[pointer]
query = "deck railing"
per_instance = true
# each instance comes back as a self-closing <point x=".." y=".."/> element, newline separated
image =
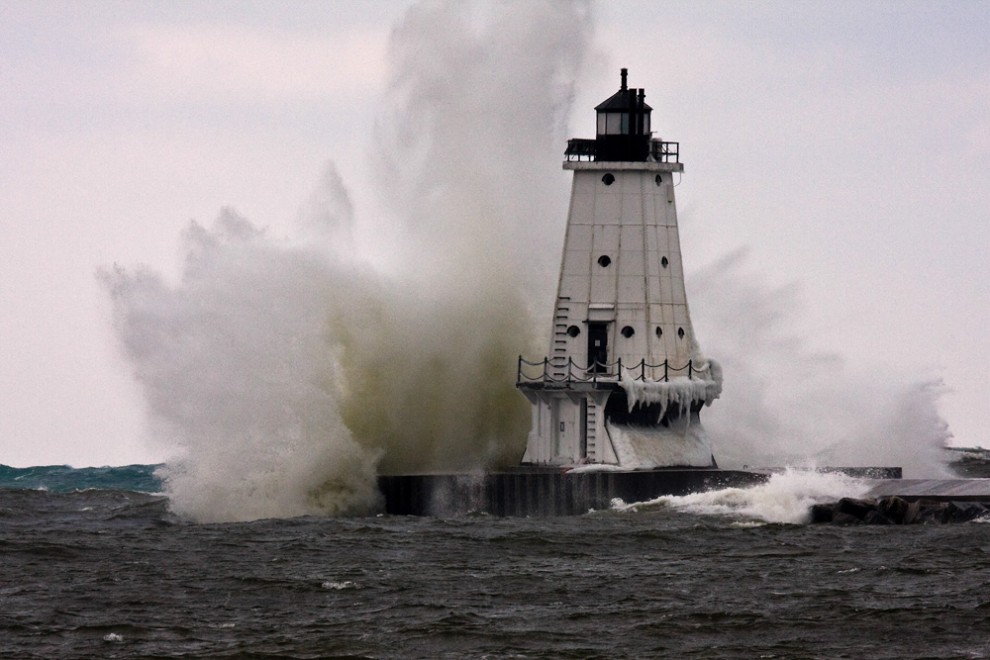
<point x="580" y="149"/>
<point x="557" y="371"/>
<point x="665" y="152"/>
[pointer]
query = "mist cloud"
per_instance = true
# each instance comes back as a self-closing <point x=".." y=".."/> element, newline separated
<point x="288" y="370"/>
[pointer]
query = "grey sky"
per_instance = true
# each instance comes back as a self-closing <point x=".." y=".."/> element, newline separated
<point x="846" y="144"/>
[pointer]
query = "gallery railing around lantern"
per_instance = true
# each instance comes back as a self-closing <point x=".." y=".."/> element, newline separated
<point x="661" y="152"/>
<point x="563" y="372"/>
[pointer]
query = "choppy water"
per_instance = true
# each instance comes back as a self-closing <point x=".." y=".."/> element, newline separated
<point x="111" y="573"/>
<point x="65" y="479"/>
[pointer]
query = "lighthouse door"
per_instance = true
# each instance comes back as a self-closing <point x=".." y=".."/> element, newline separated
<point x="597" y="347"/>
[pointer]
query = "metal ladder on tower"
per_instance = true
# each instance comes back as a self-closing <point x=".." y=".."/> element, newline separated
<point x="591" y="426"/>
<point x="558" y="359"/>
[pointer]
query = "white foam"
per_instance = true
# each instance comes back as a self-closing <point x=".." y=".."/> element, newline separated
<point x="785" y="498"/>
<point x="597" y="467"/>
<point x="339" y="586"/>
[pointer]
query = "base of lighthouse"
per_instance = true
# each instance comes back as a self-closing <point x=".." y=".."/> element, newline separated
<point x="627" y="424"/>
<point x="546" y="491"/>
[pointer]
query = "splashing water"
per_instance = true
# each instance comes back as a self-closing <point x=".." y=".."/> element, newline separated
<point x="785" y="403"/>
<point x="287" y="372"/>
<point x="785" y="498"/>
<point x="234" y="366"/>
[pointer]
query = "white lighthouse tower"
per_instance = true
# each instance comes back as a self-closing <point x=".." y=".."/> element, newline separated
<point x="624" y="380"/>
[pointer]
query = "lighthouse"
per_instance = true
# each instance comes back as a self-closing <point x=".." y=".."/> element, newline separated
<point x="623" y="381"/>
<point x="616" y="400"/>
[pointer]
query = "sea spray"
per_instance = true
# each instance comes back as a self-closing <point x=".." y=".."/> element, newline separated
<point x="234" y="367"/>
<point x="287" y="370"/>
<point x="469" y="144"/>
<point x="473" y="122"/>
<point x="787" y="403"/>
<point x="786" y="497"/>
<point x="434" y="397"/>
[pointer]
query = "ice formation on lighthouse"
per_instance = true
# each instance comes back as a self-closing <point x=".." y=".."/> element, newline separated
<point x="705" y="386"/>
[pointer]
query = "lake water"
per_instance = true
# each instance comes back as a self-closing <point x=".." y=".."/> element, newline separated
<point x="112" y="573"/>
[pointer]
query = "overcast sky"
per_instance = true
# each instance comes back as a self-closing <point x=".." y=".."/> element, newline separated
<point x="845" y="145"/>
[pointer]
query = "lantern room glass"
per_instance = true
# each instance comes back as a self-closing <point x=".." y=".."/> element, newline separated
<point x="613" y="123"/>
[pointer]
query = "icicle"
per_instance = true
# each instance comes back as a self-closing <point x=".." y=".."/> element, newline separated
<point x="680" y="390"/>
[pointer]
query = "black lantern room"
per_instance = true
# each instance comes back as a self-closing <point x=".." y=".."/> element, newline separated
<point x="623" y="126"/>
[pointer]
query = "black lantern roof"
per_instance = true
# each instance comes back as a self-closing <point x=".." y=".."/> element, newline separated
<point x="623" y="100"/>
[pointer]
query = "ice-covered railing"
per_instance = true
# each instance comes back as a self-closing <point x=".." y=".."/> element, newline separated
<point x="579" y="149"/>
<point x="565" y="371"/>
<point x="682" y="391"/>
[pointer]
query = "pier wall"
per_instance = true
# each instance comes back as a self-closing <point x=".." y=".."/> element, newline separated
<point x="545" y="492"/>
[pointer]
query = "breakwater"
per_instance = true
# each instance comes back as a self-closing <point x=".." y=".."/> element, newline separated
<point x="546" y="492"/>
<point x="893" y="510"/>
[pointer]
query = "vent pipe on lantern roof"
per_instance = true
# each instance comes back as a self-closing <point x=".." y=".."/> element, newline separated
<point x="640" y="112"/>
<point x="624" y="73"/>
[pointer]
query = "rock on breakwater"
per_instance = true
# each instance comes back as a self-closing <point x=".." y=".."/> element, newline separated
<point x="893" y="510"/>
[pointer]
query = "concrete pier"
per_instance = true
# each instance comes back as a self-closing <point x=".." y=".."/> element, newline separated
<point x="958" y="490"/>
<point x="545" y="491"/>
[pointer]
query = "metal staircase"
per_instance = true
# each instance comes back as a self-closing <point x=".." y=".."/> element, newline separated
<point x="591" y="427"/>
<point x="558" y="359"/>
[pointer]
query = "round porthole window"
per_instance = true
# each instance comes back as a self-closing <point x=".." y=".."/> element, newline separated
<point x="604" y="261"/>
<point x="573" y="331"/>
<point x="659" y="180"/>
<point x="664" y="262"/>
<point x="680" y="333"/>
<point x="659" y="331"/>
<point x="608" y="179"/>
<point x="628" y="332"/>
